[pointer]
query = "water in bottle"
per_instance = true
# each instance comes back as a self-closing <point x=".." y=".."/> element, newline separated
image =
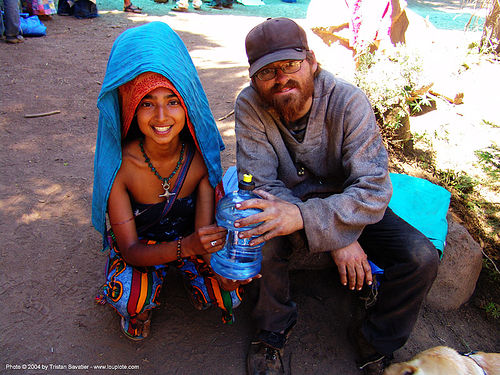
<point x="237" y="260"/>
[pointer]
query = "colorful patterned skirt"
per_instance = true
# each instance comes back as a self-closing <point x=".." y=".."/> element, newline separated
<point x="134" y="290"/>
<point x="41" y="7"/>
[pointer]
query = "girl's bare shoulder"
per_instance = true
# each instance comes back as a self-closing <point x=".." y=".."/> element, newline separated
<point x="131" y="154"/>
<point x="198" y="165"/>
<point x="132" y="162"/>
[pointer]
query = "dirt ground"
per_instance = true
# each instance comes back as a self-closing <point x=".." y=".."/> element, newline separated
<point x="51" y="263"/>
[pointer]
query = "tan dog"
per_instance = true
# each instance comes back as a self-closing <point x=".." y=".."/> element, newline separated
<point x="442" y="360"/>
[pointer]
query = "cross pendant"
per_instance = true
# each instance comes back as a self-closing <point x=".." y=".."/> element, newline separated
<point x="166" y="194"/>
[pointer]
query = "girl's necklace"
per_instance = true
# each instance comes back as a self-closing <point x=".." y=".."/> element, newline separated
<point x="165" y="181"/>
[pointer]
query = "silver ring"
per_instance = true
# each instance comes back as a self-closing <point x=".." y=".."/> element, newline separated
<point x="213" y="243"/>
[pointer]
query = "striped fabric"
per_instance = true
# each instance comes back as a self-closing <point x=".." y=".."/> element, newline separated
<point x="134" y="290"/>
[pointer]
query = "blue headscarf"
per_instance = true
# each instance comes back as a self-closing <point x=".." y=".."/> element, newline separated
<point x="153" y="47"/>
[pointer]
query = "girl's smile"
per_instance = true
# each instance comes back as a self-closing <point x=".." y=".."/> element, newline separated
<point x="160" y="115"/>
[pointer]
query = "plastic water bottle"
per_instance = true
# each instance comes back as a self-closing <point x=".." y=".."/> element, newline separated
<point x="237" y="260"/>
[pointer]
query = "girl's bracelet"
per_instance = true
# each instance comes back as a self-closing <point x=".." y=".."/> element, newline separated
<point x="179" y="248"/>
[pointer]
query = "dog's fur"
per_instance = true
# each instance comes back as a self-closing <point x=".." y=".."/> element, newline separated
<point x="442" y="360"/>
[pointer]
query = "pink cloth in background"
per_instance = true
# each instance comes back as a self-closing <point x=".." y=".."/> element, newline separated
<point x="370" y="21"/>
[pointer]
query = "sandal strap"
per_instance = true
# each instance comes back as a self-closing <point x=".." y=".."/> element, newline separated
<point x="139" y="324"/>
<point x="132" y="7"/>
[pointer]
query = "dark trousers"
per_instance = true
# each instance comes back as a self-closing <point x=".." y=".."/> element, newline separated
<point x="410" y="262"/>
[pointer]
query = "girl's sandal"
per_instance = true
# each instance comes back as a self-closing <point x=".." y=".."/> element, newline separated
<point x="143" y="328"/>
<point x="131" y="8"/>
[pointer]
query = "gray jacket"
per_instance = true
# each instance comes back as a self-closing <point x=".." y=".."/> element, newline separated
<point x="346" y="183"/>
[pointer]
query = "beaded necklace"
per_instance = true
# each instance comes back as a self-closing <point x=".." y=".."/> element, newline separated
<point x="165" y="181"/>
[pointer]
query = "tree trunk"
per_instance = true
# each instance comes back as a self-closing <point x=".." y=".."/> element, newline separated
<point x="490" y="40"/>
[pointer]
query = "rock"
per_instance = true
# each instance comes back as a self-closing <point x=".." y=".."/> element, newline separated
<point x="457" y="274"/>
<point x="458" y="271"/>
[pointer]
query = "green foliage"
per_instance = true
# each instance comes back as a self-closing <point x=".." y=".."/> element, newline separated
<point x="460" y="181"/>
<point x="491" y="272"/>
<point x="395" y="83"/>
<point x="489" y="160"/>
<point x="388" y="80"/>
<point x="493" y="310"/>
<point x="489" y="123"/>
<point x="417" y="104"/>
<point x="473" y="46"/>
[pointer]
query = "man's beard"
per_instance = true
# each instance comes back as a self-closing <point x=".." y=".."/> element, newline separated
<point x="289" y="107"/>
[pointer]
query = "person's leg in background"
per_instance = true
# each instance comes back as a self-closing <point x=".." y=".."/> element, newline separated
<point x="130" y="8"/>
<point x="11" y="20"/>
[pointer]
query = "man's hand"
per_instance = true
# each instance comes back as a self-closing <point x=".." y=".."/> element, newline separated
<point x="230" y="285"/>
<point x="353" y="265"/>
<point x="278" y="218"/>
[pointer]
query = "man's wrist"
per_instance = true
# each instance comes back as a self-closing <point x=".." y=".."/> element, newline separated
<point x="299" y="218"/>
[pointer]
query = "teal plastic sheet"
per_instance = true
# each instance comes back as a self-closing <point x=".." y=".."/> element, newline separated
<point x="423" y="205"/>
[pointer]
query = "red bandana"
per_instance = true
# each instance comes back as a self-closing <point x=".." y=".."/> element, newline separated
<point x="132" y="92"/>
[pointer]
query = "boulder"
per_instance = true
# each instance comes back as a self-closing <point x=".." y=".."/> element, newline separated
<point x="457" y="274"/>
<point x="459" y="269"/>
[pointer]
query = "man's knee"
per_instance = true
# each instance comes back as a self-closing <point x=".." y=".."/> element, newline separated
<point x="424" y="257"/>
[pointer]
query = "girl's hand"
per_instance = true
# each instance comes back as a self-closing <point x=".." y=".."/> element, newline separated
<point x="204" y="240"/>
<point x="230" y="285"/>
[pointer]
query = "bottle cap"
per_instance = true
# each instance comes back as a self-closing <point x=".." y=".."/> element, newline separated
<point x="246" y="183"/>
<point x="247" y="178"/>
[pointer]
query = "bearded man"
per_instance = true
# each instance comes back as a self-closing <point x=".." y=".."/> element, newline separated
<point x="313" y="146"/>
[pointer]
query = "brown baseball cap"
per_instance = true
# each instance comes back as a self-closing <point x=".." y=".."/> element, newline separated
<point x="275" y="39"/>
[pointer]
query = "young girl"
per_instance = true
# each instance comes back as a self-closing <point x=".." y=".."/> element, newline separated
<point x="155" y="119"/>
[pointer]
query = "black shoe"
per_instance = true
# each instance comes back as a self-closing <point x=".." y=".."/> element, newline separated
<point x="218" y="7"/>
<point x="265" y="356"/>
<point x="370" y="361"/>
<point x="263" y="359"/>
<point x="228" y="6"/>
